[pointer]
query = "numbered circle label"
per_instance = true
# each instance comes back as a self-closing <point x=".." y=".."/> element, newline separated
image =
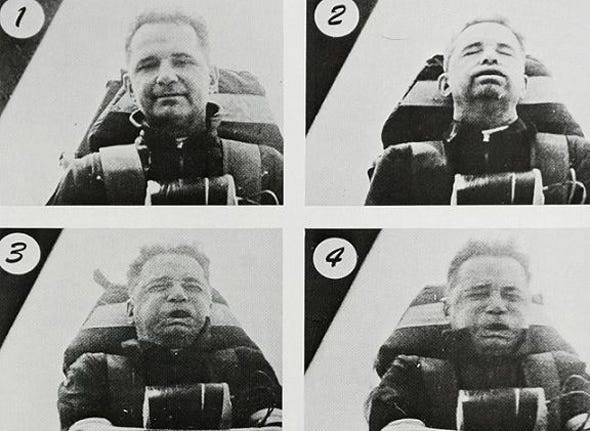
<point x="336" y="18"/>
<point x="21" y="18"/>
<point x="19" y="253"/>
<point x="335" y="258"/>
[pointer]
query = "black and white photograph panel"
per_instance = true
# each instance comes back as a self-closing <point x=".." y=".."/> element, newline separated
<point x="447" y="103"/>
<point x="145" y="103"/>
<point x="135" y="329"/>
<point x="447" y="329"/>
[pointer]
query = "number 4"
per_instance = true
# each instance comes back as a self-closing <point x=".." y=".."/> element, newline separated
<point x="335" y="256"/>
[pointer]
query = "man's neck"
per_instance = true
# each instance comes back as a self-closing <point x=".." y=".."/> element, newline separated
<point x="192" y="127"/>
<point x="484" y="116"/>
<point x="184" y="132"/>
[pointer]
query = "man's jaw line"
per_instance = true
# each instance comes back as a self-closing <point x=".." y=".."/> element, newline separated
<point x="486" y="113"/>
<point x="497" y="330"/>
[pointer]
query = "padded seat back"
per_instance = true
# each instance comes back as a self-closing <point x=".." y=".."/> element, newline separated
<point x="246" y="115"/>
<point x="424" y="114"/>
<point x="107" y="325"/>
<point x="420" y="330"/>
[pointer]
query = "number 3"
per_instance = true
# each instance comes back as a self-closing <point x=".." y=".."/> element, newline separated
<point x="17" y="249"/>
<point x="338" y="11"/>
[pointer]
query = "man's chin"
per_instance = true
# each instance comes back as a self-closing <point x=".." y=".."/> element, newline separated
<point x="178" y="336"/>
<point x="496" y="344"/>
<point x="489" y="91"/>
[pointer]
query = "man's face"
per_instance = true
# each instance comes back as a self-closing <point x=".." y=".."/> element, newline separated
<point x="491" y="298"/>
<point x="487" y="62"/>
<point x="171" y="300"/>
<point x="169" y="75"/>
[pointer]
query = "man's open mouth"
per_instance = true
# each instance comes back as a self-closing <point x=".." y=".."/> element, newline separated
<point x="489" y="75"/>
<point x="497" y="329"/>
<point x="179" y="314"/>
<point x="169" y="96"/>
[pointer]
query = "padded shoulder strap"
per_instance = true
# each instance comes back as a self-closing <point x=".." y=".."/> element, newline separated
<point x="550" y="154"/>
<point x="431" y="181"/>
<point x="244" y="163"/>
<point x="126" y="388"/>
<point x="428" y="147"/>
<point x="440" y="383"/>
<point x="541" y="370"/>
<point x="124" y="179"/>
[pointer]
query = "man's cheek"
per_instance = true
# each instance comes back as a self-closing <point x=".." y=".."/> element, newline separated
<point x="469" y="317"/>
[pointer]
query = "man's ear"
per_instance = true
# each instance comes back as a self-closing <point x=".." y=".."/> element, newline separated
<point x="446" y="306"/>
<point x="443" y="84"/>
<point x="130" y="311"/>
<point x="213" y="79"/>
<point x="525" y="86"/>
<point x="127" y="84"/>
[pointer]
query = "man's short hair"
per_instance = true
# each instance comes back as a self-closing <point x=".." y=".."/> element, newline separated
<point x="496" y="19"/>
<point x="475" y="248"/>
<point x="157" y="16"/>
<point x="147" y="252"/>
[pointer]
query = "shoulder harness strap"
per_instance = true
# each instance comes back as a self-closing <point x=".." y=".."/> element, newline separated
<point x="126" y="388"/>
<point x="244" y="162"/>
<point x="124" y="179"/>
<point x="431" y="181"/>
<point x="541" y="370"/>
<point x="440" y="383"/>
<point x="550" y="154"/>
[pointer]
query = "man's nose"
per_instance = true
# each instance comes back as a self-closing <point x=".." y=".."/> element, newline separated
<point x="496" y="303"/>
<point x="166" y="73"/>
<point x="176" y="293"/>
<point x="489" y="56"/>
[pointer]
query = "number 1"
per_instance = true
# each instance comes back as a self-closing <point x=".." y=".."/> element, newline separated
<point x="21" y="13"/>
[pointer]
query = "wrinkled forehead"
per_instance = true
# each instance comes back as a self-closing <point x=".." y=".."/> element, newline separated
<point x="501" y="271"/>
<point x="162" y="38"/>
<point x="486" y="33"/>
<point x="175" y="266"/>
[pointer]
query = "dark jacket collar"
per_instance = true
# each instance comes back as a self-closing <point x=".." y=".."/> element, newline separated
<point x="471" y="152"/>
<point x="166" y="158"/>
<point x="213" y="116"/>
<point x="457" y="346"/>
<point x="457" y="129"/>
<point x="135" y="348"/>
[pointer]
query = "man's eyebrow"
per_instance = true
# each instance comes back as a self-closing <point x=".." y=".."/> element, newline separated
<point x="478" y="287"/>
<point x="156" y="280"/>
<point x="505" y="45"/>
<point x="146" y="59"/>
<point x="510" y="289"/>
<point x="181" y="55"/>
<point x="471" y="45"/>
<point x="191" y="279"/>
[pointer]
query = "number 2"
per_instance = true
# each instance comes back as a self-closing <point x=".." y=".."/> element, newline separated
<point x="17" y="249"/>
<point x="335" y="256"/>
<point x="338" y="11"/>
<point x="19" y="18"/>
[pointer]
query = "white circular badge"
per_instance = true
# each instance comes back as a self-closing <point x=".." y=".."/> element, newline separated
<point x="335" y="258"/>
<point x="336" y="18"/>
<point x="21" y="18"/>
<point x="19" y="253"/>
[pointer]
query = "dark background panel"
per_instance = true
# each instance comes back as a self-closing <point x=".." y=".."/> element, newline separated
<point x="326" y="55"/>
<point x="14" y="289"/>
<point x="15" y="54"/>
<point x="324" y="296"/>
